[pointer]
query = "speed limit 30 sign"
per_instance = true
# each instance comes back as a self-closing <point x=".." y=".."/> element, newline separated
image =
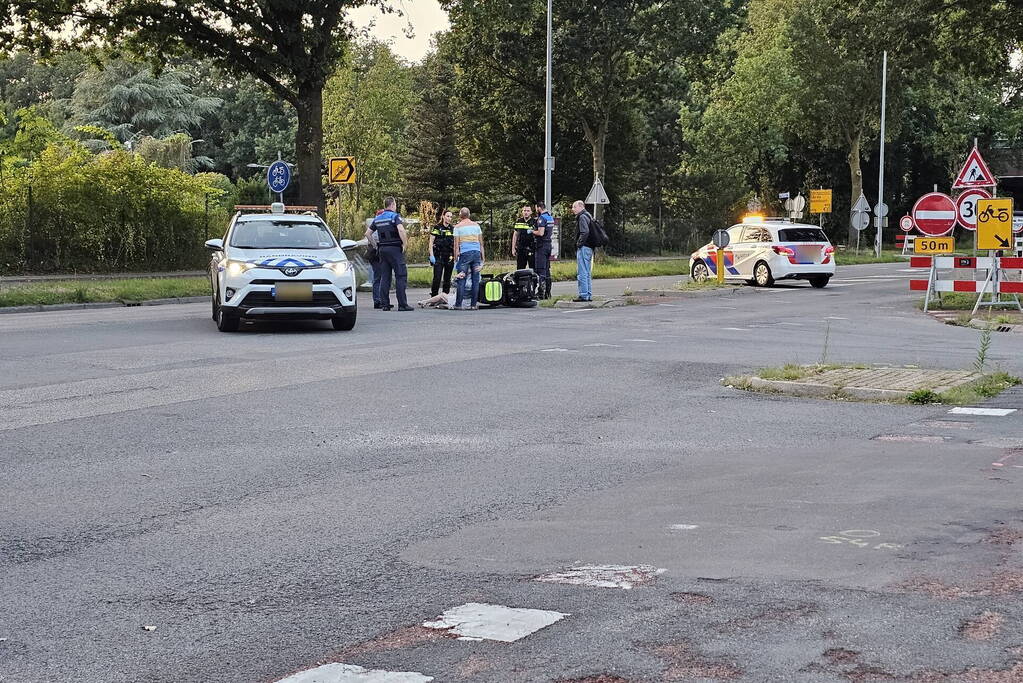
<point x="966" y="207"/>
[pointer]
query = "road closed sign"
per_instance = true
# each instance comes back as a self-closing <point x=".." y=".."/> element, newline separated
<point x="934" y="214"/>
<point x="934" y="245"/>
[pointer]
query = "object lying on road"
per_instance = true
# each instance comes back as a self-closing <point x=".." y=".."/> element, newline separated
<point x="516" y="289"/>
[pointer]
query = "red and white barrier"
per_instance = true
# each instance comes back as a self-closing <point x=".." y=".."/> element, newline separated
<point x="905" y="243"/>
<point x="995" y="284"/>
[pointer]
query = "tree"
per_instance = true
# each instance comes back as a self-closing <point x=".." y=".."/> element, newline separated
<point x="366" y="105"/>
<point x="434" y="168"/>
<point x="292" y="47"/>
<point x="130" y="100"/>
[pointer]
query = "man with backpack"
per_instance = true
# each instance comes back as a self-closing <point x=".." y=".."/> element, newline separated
<point x="591" y="236"/>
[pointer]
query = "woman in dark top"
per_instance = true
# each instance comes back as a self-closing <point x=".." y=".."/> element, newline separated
<point x="442" y="254"/>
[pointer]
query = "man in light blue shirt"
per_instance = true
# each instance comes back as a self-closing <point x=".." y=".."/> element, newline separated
<point x="469" y="249"/>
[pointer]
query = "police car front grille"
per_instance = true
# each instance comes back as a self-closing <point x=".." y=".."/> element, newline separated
<point x="274" y="282"/>
<point x="266" y="300"/>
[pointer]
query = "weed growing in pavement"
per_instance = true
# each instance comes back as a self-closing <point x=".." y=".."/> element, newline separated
<point x="549" y="303"/>
<point x="627" y="291"/>
<point x="986" y="387"/>
<point x="827" y="338"/>
<point x="985" y="343"/>
<point x="923" y="397"/>
<point x="790" y="372"/>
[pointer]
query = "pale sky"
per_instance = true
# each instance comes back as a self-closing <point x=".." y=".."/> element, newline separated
<point x="425" y="16"/>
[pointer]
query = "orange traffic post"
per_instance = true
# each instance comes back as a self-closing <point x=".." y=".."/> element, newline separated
<point x="721" y="266"/>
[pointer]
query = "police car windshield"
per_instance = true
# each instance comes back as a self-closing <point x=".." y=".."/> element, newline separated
<point x="802" y="235"/>
<point x="277" y="234"/>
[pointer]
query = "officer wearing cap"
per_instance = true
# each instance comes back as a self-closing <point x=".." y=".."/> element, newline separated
<point x="523" y="248"/>
<point x="543" y="231"/>
<point x="389" y="230"/>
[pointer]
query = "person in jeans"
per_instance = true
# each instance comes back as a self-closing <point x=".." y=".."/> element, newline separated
<point x="583" y="252"/>
<point x="442" y="254"/>
<point x="469" y="247"/>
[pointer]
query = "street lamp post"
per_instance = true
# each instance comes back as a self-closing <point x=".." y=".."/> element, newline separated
<point x="548" y="160"/>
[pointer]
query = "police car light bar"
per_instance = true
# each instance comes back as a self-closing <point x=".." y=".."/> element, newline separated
<point x="268" y="208"/>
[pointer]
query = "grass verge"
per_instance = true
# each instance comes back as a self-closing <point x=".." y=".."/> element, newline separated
<point x="605" y="268"/>
<point x="97" y="291"/>
<point x="958" y="301"/>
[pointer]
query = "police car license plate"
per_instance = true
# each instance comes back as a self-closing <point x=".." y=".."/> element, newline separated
<point x="293" y="291"/>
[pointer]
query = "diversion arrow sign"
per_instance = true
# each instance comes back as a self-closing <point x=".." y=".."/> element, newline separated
<point x="994" y="223"/>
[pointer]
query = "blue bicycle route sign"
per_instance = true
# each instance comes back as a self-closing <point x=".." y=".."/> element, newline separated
<point x="278" y="176"/>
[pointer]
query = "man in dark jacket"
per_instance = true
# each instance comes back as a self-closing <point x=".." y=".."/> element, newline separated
<point x="388" y="229"/>
<point x="542" y="233"/>
<point x="584" y="252"/>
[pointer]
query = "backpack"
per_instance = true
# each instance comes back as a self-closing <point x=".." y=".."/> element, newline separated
<point x="597" y="236"/>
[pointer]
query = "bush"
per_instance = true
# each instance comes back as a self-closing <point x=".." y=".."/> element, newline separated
<point x="71" y="210"/>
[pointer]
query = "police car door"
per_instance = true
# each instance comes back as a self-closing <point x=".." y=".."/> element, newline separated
<point x="744" y="250"/>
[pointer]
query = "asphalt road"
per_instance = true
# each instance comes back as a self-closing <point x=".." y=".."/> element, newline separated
<point x="179" y="504"/>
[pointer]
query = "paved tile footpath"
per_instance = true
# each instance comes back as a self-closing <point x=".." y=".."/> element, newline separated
<point x="869" y="384"/>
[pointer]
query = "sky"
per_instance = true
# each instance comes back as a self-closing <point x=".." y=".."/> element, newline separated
<point x="425" y="16"/>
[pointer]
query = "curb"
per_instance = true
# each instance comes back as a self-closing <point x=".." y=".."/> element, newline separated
<point x="577" y="305"/>
<point x="53" y="308"/>
<point x="811" y="390"/>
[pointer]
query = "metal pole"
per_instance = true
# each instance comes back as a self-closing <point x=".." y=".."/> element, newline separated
<point x="548" y="162"/>
<point x="880" y="172"/>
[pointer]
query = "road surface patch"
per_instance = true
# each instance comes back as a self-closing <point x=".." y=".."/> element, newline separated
<point x="984" y="626"/>
<point x="604" y="576"/>
<point x="684" y="527"/>
<point x="912" y="438"/>
<point x="479" y="621"/>
<point x="989" y="412"/>
<point x="349" y="673"/>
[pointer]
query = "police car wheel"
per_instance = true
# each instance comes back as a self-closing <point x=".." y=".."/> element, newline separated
<point x="762" y="275"/>
<point x="700" y="272"/>
<point x="226" y="322"/>
<point x="344" y="321"/>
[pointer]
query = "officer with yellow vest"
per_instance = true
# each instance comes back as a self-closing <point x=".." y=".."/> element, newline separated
<point x="523" y="247"/>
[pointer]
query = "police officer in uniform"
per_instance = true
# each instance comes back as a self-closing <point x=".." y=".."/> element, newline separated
<point x="389" y="230"/>
<point x="442" y="254"/>
<point x="523" y="246"/>
<point x="542" y="233"/>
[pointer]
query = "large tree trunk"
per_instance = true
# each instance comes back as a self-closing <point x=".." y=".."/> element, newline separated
<point x="598" y="143"/>
<point x="855" y="176"/>
<point x="309" y="146"/>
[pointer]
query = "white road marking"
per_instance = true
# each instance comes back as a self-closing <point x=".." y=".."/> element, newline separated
<point x="991" y="412"/>
<point x="604" y="576"/>
<point x="609" y="346"/>
<point x="558" y="351"/>
<point x="644" y="341"/>
<point x="736" y="329"/>
<point x="349" y="673"/>
<point x="478" y="621"/>
<point x="835" y="317"/>
<point x="792" y="324"/>
<point x="683" y="527"/>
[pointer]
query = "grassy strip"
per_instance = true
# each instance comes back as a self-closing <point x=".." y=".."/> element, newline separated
<point x="988" y="386"/>
<point x="851" y="258"/>
<point x="960" y="301"/>
<point x="604" y="269"/>
<point x="94" y="291"/>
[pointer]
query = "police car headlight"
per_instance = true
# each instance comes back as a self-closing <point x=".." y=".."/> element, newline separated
<point x="238" y="267"/>
<point x="340" y="267"/>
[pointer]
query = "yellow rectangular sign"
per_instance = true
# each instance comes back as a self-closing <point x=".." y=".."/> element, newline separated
<point x="342" y="171"/>
<point x="994" y="223"/>
<point x="933" y="245"/>
<point x="820" y="201"/>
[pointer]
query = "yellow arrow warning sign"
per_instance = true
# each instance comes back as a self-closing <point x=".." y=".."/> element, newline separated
<point x="342" y="170"/>
<point x="994" y="223"/>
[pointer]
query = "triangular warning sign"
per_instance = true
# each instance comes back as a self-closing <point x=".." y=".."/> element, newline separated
<point x="597" y="194"/>
<point x="975" y="173"/>
<point x="861" y="205"/>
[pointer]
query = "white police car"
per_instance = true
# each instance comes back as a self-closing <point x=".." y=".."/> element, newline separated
<point x="763" y="250"/>
<point x="281" y="266"/>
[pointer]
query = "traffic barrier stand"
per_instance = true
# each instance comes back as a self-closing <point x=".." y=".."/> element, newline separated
<point x="905" y="243"/>
<point x="996" y="283"/>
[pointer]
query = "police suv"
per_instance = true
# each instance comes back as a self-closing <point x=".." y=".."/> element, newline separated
<point x="278" y="265"/>
<point x="763" y="250"/>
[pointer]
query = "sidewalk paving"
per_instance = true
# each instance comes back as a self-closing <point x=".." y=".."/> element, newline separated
<point x="869" y="384"/>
